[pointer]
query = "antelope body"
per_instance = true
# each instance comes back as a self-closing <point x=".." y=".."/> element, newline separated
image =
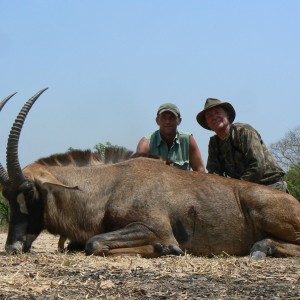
<point x="143" y="206"/>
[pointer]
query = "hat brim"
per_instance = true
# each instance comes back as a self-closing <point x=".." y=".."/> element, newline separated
<point x="201" y="115"/>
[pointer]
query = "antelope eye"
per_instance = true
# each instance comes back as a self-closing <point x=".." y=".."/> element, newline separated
<point x="28" y="194"/>
<point x="25" y="187"/>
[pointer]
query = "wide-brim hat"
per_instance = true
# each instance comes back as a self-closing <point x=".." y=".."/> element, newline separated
<point x="210" y="103"/>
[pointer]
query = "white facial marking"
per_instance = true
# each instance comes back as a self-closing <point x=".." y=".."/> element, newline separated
<point x="22" y="203"/>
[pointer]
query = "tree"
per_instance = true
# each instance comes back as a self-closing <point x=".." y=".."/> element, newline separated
<point x="287" y="152"/>
<point x="100" y="148"/>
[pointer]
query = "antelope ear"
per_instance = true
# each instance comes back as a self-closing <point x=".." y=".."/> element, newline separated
<point x="59" y="184"/>
<point x="50" y="180"/>
<point x="43" y="177"/>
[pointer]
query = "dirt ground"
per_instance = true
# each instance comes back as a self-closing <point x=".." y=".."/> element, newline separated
<point x="46" y="274"/>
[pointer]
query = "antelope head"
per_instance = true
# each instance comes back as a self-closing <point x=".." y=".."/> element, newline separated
<point x="19" y="191"/>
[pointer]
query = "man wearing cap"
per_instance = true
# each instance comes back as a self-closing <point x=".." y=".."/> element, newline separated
<point x="237" y="150"/>
<point x="169" y="143"/>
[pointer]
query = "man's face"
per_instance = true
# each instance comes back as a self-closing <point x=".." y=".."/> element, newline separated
<point x="167" y="122"/>
<point x="217" y="119"/>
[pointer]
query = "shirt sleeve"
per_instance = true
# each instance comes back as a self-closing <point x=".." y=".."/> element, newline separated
<point x="252" y="148"/>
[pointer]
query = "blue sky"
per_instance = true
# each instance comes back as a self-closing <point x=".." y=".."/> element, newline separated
<point x="110" y="64"/>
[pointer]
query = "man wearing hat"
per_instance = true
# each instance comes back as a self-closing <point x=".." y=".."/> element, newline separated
<point x="169" y="143"/>
<point x="237" y="150"/>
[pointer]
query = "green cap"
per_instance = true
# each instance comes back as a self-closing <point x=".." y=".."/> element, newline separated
<point x="169" y="107"/>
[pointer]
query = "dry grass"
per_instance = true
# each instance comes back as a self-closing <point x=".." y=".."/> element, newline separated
<point x="46" y="274"/>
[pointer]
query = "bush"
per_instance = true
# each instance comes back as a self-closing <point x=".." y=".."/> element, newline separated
<point x="292" y="178"/>
<point x="4" y="211"/>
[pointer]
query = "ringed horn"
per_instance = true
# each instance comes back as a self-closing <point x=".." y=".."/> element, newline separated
<point x="14" y="173"/>
<point x="3" y="175"/>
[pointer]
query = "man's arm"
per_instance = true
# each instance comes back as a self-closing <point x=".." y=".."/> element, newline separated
<point x="254" y="155"/>
<point x="143" y="146"/>
<point x="196" y="161"/>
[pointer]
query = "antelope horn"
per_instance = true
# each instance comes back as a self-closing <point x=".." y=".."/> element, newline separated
<point x="13" y="166"/>
<point x="4" y="179"/>
<point x="3" y="102"/>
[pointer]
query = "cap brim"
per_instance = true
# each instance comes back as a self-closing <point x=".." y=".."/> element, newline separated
<point x="170" y="110"/>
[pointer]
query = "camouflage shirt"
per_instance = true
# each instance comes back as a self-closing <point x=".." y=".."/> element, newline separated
<point x="242" y="155"/>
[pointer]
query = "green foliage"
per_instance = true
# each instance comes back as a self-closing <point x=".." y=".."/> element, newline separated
<point x="4" y="211"/>
<point x="100" y="148"/>
<point x="72" y="149"/>
<point x="292" y="178"/>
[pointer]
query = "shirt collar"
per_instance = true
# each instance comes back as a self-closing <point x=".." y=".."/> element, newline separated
<point x="176" y="139"/>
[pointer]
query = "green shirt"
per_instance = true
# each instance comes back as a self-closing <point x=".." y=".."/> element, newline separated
<point x="178" y="152"/>
<point x="242" y="155"/>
